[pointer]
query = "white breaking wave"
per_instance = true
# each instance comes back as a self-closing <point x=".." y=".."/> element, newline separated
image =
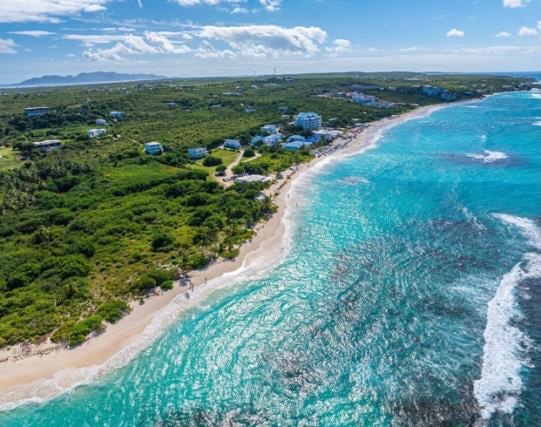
<point x="489" y="156"/>
<point x="499" y="387"/>
<point x="537" y="123"/>
<point x="527" y="227"/>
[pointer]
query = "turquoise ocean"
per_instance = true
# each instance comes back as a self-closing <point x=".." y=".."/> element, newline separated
<point x="410" y="294"/>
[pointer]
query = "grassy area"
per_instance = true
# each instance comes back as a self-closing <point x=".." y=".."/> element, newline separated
<point x="273" y="161"/>
<point x="227" y="157"/>
<point x="8" y="159"/>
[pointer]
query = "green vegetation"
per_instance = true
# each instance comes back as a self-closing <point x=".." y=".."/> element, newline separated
<point x="212" y="161"/>
<point x="7" y="158"/>
<point x="97" y="224"/>
<point x="249" y="153"/>
<point x="272" y="159"/>
<point x="216" y="160"/>
<point x="69" y="249"/>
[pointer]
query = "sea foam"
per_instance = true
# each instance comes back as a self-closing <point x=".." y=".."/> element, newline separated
<point x="499" y="387"/>
<point x="489" y="156"/>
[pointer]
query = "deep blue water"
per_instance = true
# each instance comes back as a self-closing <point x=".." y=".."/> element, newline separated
<point x="410" y="296"/>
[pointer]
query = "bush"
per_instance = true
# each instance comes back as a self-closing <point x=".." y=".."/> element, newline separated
<point x="212" y="161"/>
<point x="220" y="170"/>
<point x="154" y="278"/>
<point x="230" y="254"/>
<point x="17" y="280"/>
<point x="198" y="199"/>
<point x="83" y="246"/>
<point x="161" y="241"/>
<point x="59" y="216"/>
<point x="82" y="224"/>
<point x="145" y="283"/>
<point x="196" y="262"/>
<point x="162" y="278"/>
<point x="73" y="265"/>
<point x="42" y="235"/>
<point x="249" y="153"/>
<point x="74" y="288"/>
<point x="112" y="311"/>
<point x="83" y="328"/>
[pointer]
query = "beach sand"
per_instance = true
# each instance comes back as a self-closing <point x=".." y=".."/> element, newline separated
<point x="37" y="372"/>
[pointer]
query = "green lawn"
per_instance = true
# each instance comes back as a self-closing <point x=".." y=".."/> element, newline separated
<point x="7" y="158"/>
<point x="274" y="161"/>
<point x="227" y="156"/>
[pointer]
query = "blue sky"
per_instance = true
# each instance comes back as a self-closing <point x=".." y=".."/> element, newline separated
<point x="188" y="38"/>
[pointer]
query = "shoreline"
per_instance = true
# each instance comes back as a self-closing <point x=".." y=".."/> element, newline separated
<point x="46" y="370"/>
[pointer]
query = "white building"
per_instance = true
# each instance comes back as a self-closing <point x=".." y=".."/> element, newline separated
<point x="270" y="129"/>
<point x="327" y="134"/>
<point x="233" y="144"/>
<point x="272" y="139"/>
<point x="48" y="145"/>
<point x="362" y="99"/>
<point x="96" y="133"/>
<point x="308" y="121"/>
<point x="153" y="148"/>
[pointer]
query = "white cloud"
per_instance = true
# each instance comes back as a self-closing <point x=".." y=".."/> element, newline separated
<point x="128" y="44"/>
<point x="7" y="46"/>
<point x="271" y="5"/>
<point x="525" y="31"/>
<point x="268" y="5"/>
<point x="254" y="40"/>
<point x="339" y="46"/>
<point x="46" y="10"/>
<point x="209" y="41"/>
<point x="455" y="33"/>
<point x="33" y="33"/>
<point x="208" y="51"/>
<point x="237" y="10"/>
<point x="187" y="3"/>
<point x="503" y="34"/>
<point x="116" y="53"/>
<point x="514" y="3"/>
<point x="498" y="50"/>
<point x="414" y="49"/>
<point x="93" y="39"/>
<point x="118" y="29"/>
<point x="539" y="26"/>
<point x="164" y="44"/>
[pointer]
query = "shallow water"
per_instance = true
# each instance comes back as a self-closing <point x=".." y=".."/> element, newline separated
<point x="409" y="296"/>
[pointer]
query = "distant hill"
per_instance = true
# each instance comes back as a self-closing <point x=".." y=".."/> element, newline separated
<point x="82" y="78"/>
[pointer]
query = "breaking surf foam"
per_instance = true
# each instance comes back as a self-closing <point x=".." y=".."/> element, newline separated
<point x="489" y="156"/>
<point x="499" y="387"/>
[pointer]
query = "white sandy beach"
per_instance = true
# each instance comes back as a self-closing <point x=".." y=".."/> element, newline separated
<point x="43" y="371"/>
